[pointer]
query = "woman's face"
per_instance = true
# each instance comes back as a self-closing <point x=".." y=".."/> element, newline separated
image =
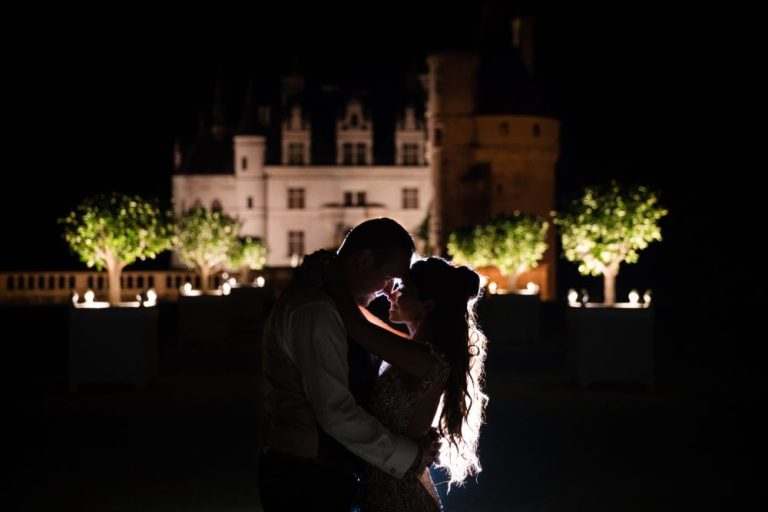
<point x="405" y="306"/>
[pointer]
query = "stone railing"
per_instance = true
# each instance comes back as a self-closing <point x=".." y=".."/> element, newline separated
<point x="55" y="287"/>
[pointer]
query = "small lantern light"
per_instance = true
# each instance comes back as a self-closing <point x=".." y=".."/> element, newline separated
<point x="294" y="260"/>
<point x="225" y="288"/>
<point x="187" y="288"/>
<point x="89" y="296"/>
<point x="260" y="282"/>
<point x="573" y="298"/>
<point x="151" y="295"/>
<point x="492" y="287"/>
<point x="634" y="297"/>
<point x="532" y="288"/>
<point x="647" y="298"/>
<point x="75" y="297"/>
<point x="584" y="297"/>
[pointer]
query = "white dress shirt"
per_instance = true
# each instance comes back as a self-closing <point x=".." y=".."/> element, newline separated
<point x="309" y="329"/>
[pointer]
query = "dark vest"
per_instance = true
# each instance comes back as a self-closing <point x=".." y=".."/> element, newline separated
<point x="363" y="372"/>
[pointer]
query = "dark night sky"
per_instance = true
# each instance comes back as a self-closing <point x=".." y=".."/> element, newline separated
<point x="642" y="98"/>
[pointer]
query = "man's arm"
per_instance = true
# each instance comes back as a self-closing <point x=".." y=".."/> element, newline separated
<point x="318" y="344"/>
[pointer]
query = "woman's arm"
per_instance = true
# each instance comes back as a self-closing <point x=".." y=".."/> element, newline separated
<point x="377" y="337"/>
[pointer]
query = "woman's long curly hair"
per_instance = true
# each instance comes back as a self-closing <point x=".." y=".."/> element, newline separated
<point x="454" y="331"/>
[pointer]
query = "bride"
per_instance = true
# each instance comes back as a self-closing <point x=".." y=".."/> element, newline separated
<point x="435" y="379"/>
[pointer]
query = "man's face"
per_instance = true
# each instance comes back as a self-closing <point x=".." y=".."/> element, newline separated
<point x="379" y="277"/>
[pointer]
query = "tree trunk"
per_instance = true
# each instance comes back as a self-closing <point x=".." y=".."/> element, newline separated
<point x="245" y="274"/>
<point x="512" y="281"/>
<point x="113" y="275"/>
<point x="609" y="286"/>
<point x="205" y="274"/>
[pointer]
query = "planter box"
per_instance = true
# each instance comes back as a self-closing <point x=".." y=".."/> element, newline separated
<point x="248" y="308"/>
<point x="510" y="317"/>
<point x="611" y="344"/>
<point x="204" y="320"/>
<point x="112" y="345"/>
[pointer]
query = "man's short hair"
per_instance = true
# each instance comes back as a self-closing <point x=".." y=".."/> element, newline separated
<point x="383" y="236"/>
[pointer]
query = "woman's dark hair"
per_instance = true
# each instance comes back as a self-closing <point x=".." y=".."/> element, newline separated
<point x="383" y="236"/>
<point x="454" y="332"/>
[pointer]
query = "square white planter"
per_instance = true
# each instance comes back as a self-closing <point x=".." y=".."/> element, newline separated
<point x="112" y="345"/>
<point x="510" y="317"/>
<point x="611" y="344"/>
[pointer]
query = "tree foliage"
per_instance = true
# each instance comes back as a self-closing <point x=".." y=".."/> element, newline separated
<point x="513" y="243"/>
<point x="117" y="227"/>
<point x="248" y="253"/>
<point x="204" y="240"/>
<point x="609" y="226"/>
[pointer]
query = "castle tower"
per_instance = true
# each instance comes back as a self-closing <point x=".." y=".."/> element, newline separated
<point x="491" y="151"/>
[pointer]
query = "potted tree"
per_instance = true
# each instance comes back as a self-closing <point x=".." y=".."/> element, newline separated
<point x="513" y="244"/>
<point x="247" y="254"/>
<point x="114" y="343"/>
<point x="247" y="302"/>
<point x="602" y="229"/>
<point x="204" y="240"/>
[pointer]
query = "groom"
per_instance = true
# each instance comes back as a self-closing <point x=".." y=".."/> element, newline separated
<point x="318" y="382"/>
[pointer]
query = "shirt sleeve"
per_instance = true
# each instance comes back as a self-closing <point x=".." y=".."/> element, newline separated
<point x="318" y="346"/>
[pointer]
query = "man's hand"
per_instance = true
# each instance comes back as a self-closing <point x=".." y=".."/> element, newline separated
<point x="429" y="451"/>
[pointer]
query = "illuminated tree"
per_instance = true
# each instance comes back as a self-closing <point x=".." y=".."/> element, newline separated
<point x="115" y="230"/>
<point x="512" y="243"/>
<point x="248" y="254"/>
<point x="606" y="227"/>
<point x="204" y="239"/>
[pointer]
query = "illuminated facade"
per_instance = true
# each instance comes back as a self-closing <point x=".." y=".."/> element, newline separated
<point x="307" y="199"/>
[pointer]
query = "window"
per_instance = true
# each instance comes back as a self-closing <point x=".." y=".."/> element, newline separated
<point x="361" y="154"/>
<point x="361" y="199"/>
<point x="410" y="154"/>
<point x="347" y="198"/>
<point x="295" y="198"/>
<point x="249" y="202"/>
<point x="296" y="243"/>
<point x="438" y="136"/>
<point x="410" y="198"/>
<point x="244" y="163"/>
<point x="504" y="128"/>
<point x="536" y="130"/>
<point x="347" y="153"/>
<point x="295" y="153"/>
<point x="353" y="120"/>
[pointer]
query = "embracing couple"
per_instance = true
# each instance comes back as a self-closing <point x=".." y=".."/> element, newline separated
<point x="356" y="412"/>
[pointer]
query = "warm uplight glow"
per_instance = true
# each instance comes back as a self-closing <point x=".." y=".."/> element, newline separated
<point x="232" y="282"/>
<point x="492" y="287"/>
<point x="75" y="298"/>
<point x="573" y="298"/>
<point x="226" y="288"/>
<point x="260" y="282"/>
<point x="151" y="295"/>
<point x="647" y="298"/>
<point x="294" y="260"/>
<point x="634" y="297"/>
<point x="533" y="288"/>
<point x="89" y="296"/>
<point x="187" y="290"/>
